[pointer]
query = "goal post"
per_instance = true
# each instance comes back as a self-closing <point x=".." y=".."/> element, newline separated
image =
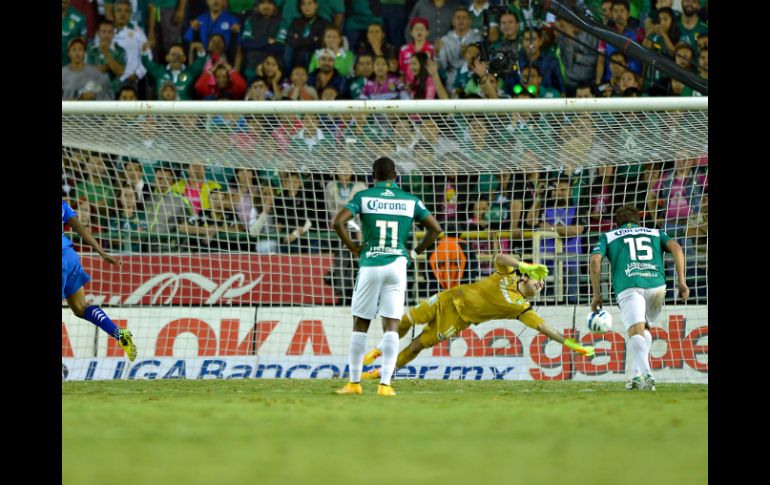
<point x="221" y="215"/>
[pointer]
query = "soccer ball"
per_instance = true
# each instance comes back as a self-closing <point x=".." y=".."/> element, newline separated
<point x="599" y="322"/>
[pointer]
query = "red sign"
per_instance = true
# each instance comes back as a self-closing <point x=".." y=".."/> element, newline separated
<point x="211" y="279"/>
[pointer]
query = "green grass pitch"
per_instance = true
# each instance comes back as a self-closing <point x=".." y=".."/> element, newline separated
<point x="299" y="431"/>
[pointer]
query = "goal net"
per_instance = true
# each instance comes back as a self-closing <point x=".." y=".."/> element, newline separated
<point x="221" y="213"/>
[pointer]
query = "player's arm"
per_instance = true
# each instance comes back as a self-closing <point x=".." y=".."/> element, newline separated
<point x="537" y="271"/>
<point x="89" y="239"/>
<point x="340" y="227"/>
<point x="533" y="320"/>
<point x="675" y="249"/>
<point x="595" y="270"/>
<point x="432" y="230"/>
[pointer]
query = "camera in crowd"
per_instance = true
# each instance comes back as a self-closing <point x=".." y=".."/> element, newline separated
<point x="499" y="62"/>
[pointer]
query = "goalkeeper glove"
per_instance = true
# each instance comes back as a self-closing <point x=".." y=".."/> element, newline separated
<point x="585" y="351"/>
<point x="537" y="271"/>
<point x="413" y="254"/>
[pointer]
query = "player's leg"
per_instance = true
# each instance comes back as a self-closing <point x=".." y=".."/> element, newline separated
<point x="654" y="298"/>
<point x="632" y="311"/>
<point x="425" y="312"/>
<point x="445" y="323"/>
<point x="391" y="310"/>
<point x="364" y="309"/>
<point x="73" y="279"/>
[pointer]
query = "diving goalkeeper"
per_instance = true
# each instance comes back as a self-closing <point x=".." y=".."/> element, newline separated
<point x="501" y="296"/>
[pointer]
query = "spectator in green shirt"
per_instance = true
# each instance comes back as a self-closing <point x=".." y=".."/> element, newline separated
<point x="73" y="24"/>
<point x="332" y="39"/>
<point x="690" y="25"/>
<point x="358" y="19"/>
<point x="106" y="55"/>
<point x="181" y="76"/>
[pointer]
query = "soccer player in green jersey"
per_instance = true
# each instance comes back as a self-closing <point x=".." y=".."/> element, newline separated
<point x="387" y="213"/>
<point x="636" y="259"/>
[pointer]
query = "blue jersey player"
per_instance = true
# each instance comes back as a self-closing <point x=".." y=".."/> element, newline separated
<point x="73" y="277"/>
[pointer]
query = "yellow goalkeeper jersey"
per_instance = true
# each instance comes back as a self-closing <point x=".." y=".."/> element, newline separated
<point x="494" y="298"/>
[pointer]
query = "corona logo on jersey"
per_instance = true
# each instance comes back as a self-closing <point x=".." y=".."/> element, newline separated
<point x="373" y="205"/>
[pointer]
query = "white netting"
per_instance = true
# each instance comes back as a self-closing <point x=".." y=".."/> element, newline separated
<point x="202" y="209"/>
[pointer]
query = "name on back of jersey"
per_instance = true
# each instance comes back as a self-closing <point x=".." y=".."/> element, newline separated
<point x="641" y="269"/>
<point x="383" y="251"/>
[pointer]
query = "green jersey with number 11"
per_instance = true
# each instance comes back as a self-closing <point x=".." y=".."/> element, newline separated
<point x="636" y="256"/>
<point x="387" y="213"/>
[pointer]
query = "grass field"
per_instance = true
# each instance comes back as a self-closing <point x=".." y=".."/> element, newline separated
<point x="299" y="431"/>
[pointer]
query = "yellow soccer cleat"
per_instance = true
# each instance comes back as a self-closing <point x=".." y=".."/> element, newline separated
<point x="383" y="390"/>
<point x="372" y="374"/>
<point x="126" y="341"/>
<point x="351" y="388"/>
<point x="372" y="355"/>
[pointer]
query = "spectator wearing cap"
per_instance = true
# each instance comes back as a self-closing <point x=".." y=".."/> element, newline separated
<point x="81" y="81"/>
<point x="327" y="75"/>
<point x="449" y="47"/>
<point x="73" y="25"/>
<point x="305" y="35"/>
<point x="260" y="35"/>
<point x="438" y="13"/>
<point x="419" y="29"/>
<point x="175" y="72"/>
<point x="106" y="54"/>
<point x="332" y="39"/>
<point x="359" y="16"/>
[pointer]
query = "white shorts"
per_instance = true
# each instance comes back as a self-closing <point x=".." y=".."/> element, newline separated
<point x="380" y="290"/>
<point x="639" y="305"/>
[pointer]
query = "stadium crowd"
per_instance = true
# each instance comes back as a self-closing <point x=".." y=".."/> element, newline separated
<point x="375" y="49"/>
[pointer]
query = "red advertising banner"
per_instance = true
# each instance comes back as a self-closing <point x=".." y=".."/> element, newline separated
<point x="210" y="279"/>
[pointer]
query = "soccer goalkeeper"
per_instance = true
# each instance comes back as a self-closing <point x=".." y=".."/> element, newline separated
<point x="503" y="295"/>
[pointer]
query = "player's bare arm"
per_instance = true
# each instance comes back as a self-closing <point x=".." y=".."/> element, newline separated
<point x="433" y="229"/>
<point x="537" y="271"/>
<point x="340" y="227"/>
<point x="89" y="239"/>
<point x="675" y="249"/>
<point x="595" y="269"/>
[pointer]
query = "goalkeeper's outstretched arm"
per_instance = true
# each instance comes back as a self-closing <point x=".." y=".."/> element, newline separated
<point x="567" y="342"/>
<point x="537" y="271"/>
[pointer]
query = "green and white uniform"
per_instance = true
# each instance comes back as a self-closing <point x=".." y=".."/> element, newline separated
<point x="636" y="257"/>
<point x="386" y="213"/>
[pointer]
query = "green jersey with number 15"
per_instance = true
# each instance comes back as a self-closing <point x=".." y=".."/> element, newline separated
<point x="387" y="213"/>
<point x="636" y="256"/>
